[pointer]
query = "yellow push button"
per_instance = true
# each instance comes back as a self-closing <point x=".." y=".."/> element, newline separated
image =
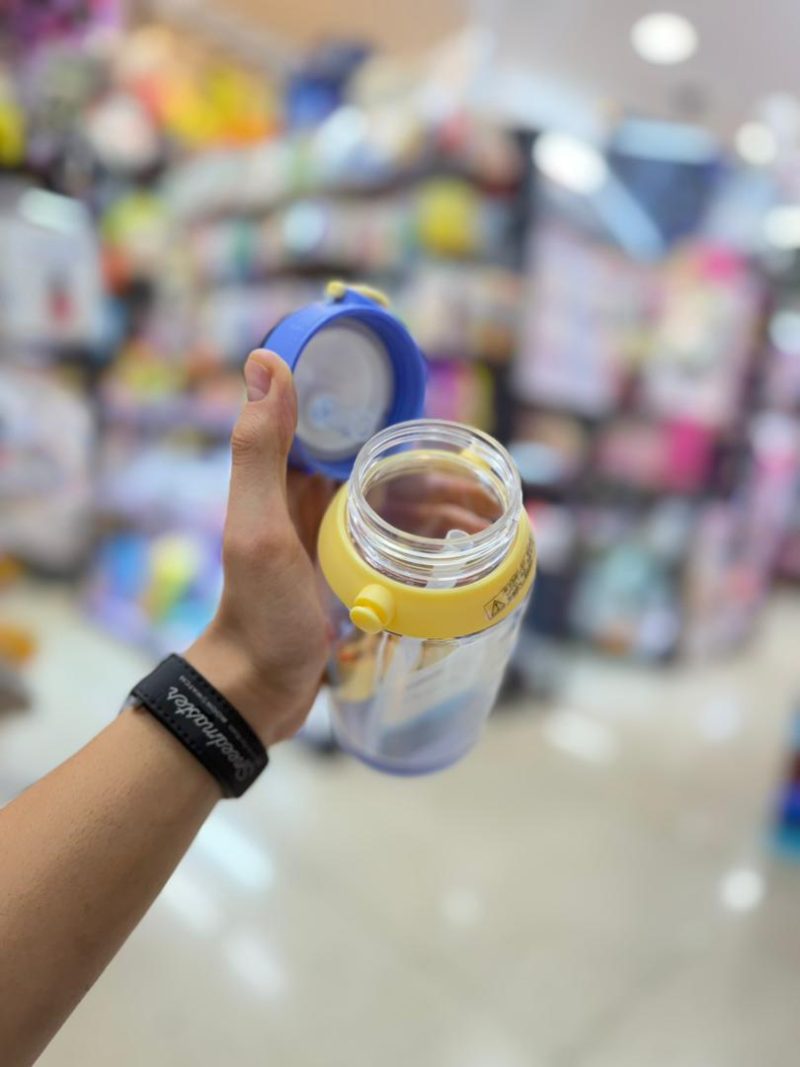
<point x="336" y="290"/>
<point x="373" y="609"/>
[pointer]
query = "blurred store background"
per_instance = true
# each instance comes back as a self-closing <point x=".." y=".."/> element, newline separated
<point x="589" y="216"/>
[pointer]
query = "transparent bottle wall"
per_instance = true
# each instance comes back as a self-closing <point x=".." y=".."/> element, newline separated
<point x="410" y="706"/>
<point x="433" y="505"/>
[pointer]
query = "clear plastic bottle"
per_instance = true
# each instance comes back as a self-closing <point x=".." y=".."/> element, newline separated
<point x="429" y="558"/>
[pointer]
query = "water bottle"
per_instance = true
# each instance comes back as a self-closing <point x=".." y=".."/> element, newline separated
<point x="426" y="549"/>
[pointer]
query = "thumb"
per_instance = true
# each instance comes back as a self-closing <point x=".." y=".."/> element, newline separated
<point x="261" y="441"/>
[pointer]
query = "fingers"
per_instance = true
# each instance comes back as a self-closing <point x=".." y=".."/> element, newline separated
<point x="260" y="444"/>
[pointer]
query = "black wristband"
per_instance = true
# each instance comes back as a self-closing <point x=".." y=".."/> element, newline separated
<point x="204" y="722"/>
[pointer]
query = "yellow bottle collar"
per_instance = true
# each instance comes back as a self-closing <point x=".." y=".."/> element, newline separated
<point x="379" y="603"/>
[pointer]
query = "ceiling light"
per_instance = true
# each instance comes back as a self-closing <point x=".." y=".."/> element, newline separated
<point x="570" y="162"/>
<point x="782" y="226"/>
<point x="756" y="143"/>
<point x="664" y="37"/>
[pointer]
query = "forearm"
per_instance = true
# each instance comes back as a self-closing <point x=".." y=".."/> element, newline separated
<point x="83" y="854"/>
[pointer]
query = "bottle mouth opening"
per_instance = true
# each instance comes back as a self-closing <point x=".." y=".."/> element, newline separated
<point x="433" y="503"/>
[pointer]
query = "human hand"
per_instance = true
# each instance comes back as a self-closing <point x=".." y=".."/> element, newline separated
<point x="266" y="648"/>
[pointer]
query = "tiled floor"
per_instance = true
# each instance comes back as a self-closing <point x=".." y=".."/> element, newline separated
<point x="593" y="887"/>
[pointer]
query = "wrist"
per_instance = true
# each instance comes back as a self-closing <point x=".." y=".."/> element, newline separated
<point x="200" y="716"/>
<point x="230" y="670"/>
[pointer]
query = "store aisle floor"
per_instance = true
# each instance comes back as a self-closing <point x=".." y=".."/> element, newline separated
<point x="592" y="888"/>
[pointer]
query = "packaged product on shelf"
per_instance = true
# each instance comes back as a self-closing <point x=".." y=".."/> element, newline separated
<point x="463" y="311"/>
<point x="229" y="318"/>
<point x="722" y="589"/>
<point x="738" y="543"/>
<point x="704" y="337"/>
<point x="786" y="825"/>
<point x="12" y="124"/>
<point x="782" y="373"/>
<point x="460" y="392"/>
<point x="549" y="448"/>
<point x="46" y="455"/>
<point x="581" y="323"/>
<point x="788" y="563"/>
<point x="155" y="589"/>
<point x="663" y="456"/>
<point x="58" y="300"/>
<point x="627" y="599"/>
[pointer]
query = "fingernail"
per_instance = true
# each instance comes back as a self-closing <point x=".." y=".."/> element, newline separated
<point x="257" y="378"/>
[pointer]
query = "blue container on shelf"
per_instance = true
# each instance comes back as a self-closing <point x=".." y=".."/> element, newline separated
<point x="786" y="826"/>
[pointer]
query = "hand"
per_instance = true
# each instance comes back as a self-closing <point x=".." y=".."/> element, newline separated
<point x="266" y="647"/>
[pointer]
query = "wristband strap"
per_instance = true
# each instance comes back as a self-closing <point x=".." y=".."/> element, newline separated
<point x="204" y="722"/>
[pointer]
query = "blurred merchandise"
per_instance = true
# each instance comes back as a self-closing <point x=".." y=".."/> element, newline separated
<point x="642" y="415"/>
<point x="786" y="826"/>
<point x="587" y="219"/>
<point x="463" y="311"/>
<point x="12" y="124"/>
<point x="17" y="646"/>
<point x="703" y="337"/>
<point x="58" y="301"/>
<point x="460" y="392"/>
<point x="626" y="599"/>
<point x="174" y="195"/>
<point x="319" y="87"/>
<point x="738" y="543"/>
<point x="14" y="694"/>
<point x="158" y="591"/>
<point x="669" y="456"/>
<point x="30" y="24"/>
<point x="584" y="316"/>
<point x="47" y="441"/>
<point x="352" y="151"/>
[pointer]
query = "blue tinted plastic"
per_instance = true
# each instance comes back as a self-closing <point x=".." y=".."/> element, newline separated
<point x="292" y="335"/>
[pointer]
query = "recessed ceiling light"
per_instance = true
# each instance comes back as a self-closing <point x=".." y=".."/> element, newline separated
<point x="782" y="226"/>
<point x="664" y="37"/>
<point x="756" y="143"/>
<point x="570" y="162"/>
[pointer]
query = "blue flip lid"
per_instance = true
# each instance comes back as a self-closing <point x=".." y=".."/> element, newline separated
<point x="356" y="370"/>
